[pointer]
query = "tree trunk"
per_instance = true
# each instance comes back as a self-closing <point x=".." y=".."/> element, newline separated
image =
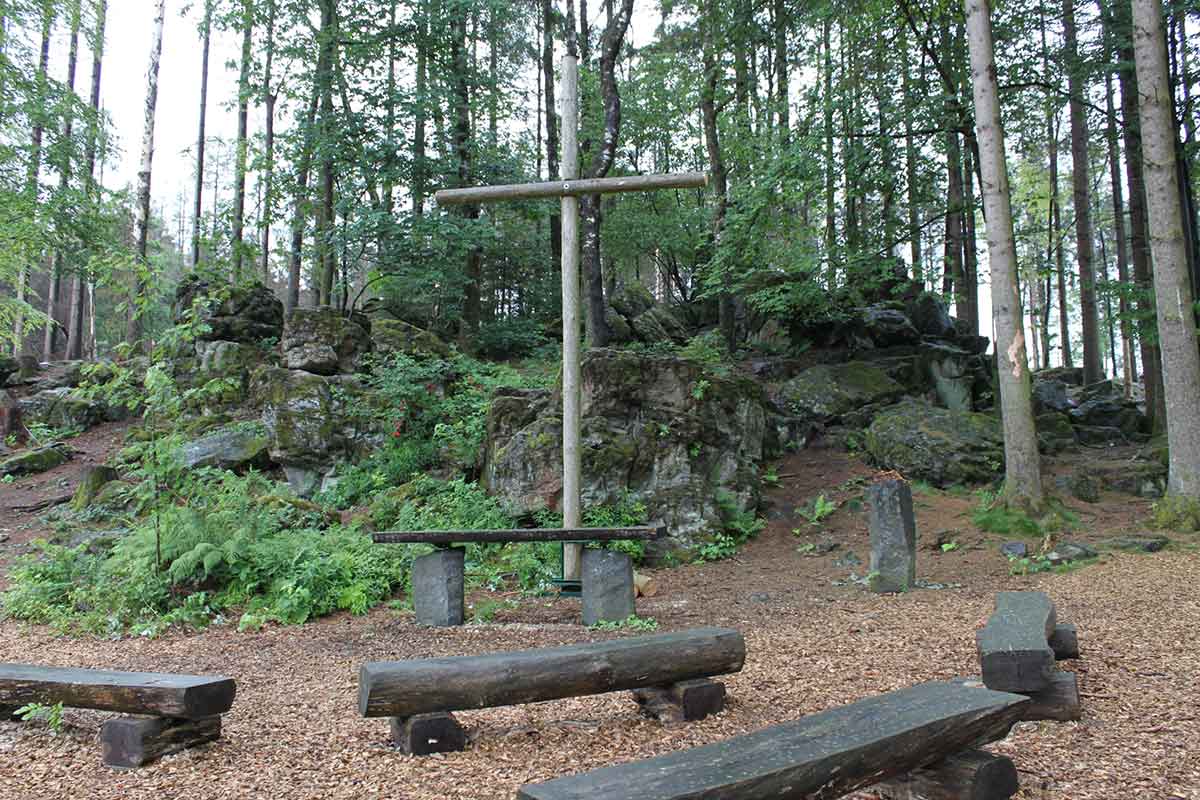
<point x="200" y="138"/>
<point x="419" y="115"/>
<point x="1172" y="285"/>
<point x="325" y="215"/>
<point x="910" y="165"/>
<point x="50" y="342"/>
<point x="1023" y="483"/>
<point x="468" y="324"/>
<point x="551" y="124"/>
<point x="35" y="167"/>
<point x="782" y="82"/>
<point x="78" y="286"/>
<point x="302" y="201"/>
<point x="1118" y="201"/>
<point x="1138" y="241"/>
<point x="827" y="111"/>
<point x="970" y="287"/>
<point x="239" y="180"/>
<point x="590" y="213"/>
<point x="952" y="271"/>
<point x="712" y="144"/>
<point x="133" y="332"/>
<point x="269" y="97"/>
<point x="1064" y="329"/>
<point x="1093" y="365"/>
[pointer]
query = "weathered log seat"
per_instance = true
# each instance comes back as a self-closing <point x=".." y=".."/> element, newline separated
<point x="437" y="578"/>
<point x="669" y="672"/>
<point x="181" y="710"/>
<point x="922" y="730"/>
<point x="1018" y="650"/>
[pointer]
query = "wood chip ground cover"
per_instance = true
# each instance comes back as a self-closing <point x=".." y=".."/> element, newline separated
<point x="294" y="731"/>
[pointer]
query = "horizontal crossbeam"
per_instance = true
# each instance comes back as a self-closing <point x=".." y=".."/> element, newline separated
<point x="644" y="532"/>
<point x="573" y="188"/>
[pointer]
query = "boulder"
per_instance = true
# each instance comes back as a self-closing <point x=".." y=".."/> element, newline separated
<point x="8" y="366"/>
<point x="1054" y="432"/>
<point x="929" y="316"/>
<point x="235" y="447"/>
<point x="939" y="445"/>
<point x="888" y="326"/>
<point x="1137" y="544"/>
<point x="90" y="483"/>
<point x="56" y="375"/>
<point x="250" y="314"/>
<point x="390" y="336"/>
<point x="1068" y="552"/>
<point x="828" y="392"/>
<point x="1084" y="486"/>
<point x="660" y="430"/>
<point x="323" y="341"/>
<point x="632" y="300"/>
<point x="1109" y="411"/>
<point x="659" y="325"/>
<point x="38" y="459"/>
<point x="1071" y="376"/>
<point x="10" y="416"/>
<point x="58" y="408"/>
<point x="952" y="374"/>
<point x="1051" y="395"/>
<point x="234" y="361"/>
<point x="315" y="421"/>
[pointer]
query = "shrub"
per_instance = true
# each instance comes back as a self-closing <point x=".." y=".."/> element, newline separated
<point x="511" y="337"/>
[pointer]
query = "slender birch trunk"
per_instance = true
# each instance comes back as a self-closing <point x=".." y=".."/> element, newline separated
<point x="269" y="99"/>
<point x="243" y="117"/>
<point x="201" y="139"/>
<point x="50" y="341"/>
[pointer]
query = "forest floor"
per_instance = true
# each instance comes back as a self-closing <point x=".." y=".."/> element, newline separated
<point x="815" y="639"/>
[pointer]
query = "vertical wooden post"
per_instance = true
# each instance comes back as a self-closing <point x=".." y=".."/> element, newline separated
<point x="569" y="170"/>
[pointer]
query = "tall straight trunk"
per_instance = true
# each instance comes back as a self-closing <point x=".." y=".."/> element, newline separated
<point x="239" y="180"/>
<point x="1093" y="365"/>
<point x="1034" y="329"/>
<point x="952" y="269"/>
<point x="133" y="331"/>
<point x="1172" y="285"/>
<point x="200" y="137"/>
<point x="598" y="332"/>
<point x="389" y="166"/>
<point x="782" y="82"/>
<point x="830" y="189"/>
<point x="1108" y="309"/>
<point x="269" y="97"/>
<point x="1023" y="483"/>
<point x="470" y="304"/>
<point x="910" y="163"/>
<point x="302" y="201"/>
<point x="50" y="341"/>
<point x="78" y="284"/>
<point x="970" y="287"/>
<point x="1139" y="246"/>
<point x="551" y="123"/>
<point x="716" y="160"/>
<point x="419" y="114"/>
<point x="325" y="214"/>
<point x="35" y="165"/>
<point x="1118" y="202"/>
<point x="1064" y="328"/>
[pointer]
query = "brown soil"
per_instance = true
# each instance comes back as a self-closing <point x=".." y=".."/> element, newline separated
<point x="294" y="730"/>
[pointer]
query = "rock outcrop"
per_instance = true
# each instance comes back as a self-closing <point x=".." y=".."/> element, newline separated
<point x="248" y="314"/>
<point x="664" y="430"/>
<point x="324" y="341"/>
<point x="938" y="445"/>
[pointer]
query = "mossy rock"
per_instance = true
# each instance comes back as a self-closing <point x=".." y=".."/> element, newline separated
<point x="939" y="445"/>
<point x="632" y="300"/>
<point x="39" y="459"/>
<point x="827" y="392"/>
<point x="235" y="447"/>
<point x="390" y="336"/>
<point x="93" y="481"/>
<point x="1054" y="432"/>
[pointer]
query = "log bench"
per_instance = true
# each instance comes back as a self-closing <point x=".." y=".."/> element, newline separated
<point x="669" y="672"/>
<point x="1018" y="650"/>
<point x="437" y="578"/>
<point x="828" y="754"/>
<point x="179" y="711"/>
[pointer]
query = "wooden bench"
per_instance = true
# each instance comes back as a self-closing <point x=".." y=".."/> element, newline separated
<point x="1018" y="650"/>
<point x="437" y="578"/>
<point x="182" y="710"/>
<point x="669" y="672"/>
<point x="825" y="755"/>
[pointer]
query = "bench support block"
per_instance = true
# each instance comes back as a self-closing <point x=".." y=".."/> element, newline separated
<point x="686" y="701"/>
<point x="9" y="713"/>
<point x="129" y="742"/>
<point x="437" y="588"/>
<point x="607" y="586"/>
<point x="423" y="734"/>
<point x="969" y="775"/>
<point x="1059" y="701"/>
<point x="1065" y="642"/>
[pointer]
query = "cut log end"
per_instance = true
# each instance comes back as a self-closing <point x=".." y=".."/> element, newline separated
<point x="645" y="585"/>
<point x="969" y="775"/>
<point x="686" y="701"/>
<point x="1065" y="642"/>
<point x="1059" y="701"/>
<point x="129" y="742"/>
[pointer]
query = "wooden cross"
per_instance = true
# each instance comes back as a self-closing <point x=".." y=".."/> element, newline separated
<point x="569" y="188"/>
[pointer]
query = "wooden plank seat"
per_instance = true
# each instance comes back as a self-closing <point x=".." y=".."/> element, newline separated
<point x="1018" y="650"/>
<point x="669" y="670"/>
<point x="824" y="755"/>
<point x="437" y="578"/>
<point x="184" y="709"/>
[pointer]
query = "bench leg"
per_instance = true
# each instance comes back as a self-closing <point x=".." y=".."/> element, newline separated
<point x="422" y="734"/>
<point x="1059" y="701"/>
<point x="608" y="591"/>
<point x="686" y="701"/>
<point x="970" y="775"/>
<point x="129" y="742"/>
<point x="437" y="588"/>
<point x="9" y="713"/>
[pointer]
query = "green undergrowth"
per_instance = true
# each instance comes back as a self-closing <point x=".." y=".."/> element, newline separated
<point x="993" y="515"/>
<point x="1175" y="513"/>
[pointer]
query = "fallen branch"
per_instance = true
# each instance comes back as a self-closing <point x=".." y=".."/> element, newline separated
<point x="42" y="504"/>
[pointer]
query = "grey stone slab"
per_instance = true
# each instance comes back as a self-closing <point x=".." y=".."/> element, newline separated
<point x="607" y="586"/>
<point x="893" y="531"/>
<point x="437" y="588"/>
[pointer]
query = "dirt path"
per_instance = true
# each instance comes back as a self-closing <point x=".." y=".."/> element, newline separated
<point x="814" y="640"/>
